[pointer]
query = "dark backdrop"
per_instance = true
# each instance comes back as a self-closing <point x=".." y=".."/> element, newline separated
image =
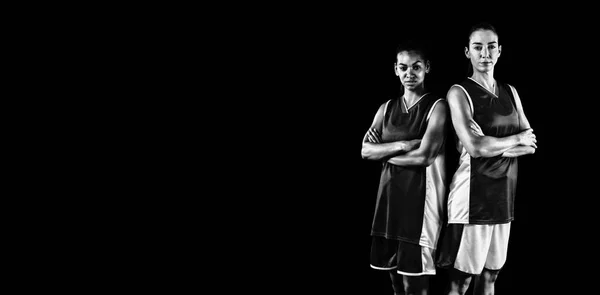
<point x="333" y="72"/>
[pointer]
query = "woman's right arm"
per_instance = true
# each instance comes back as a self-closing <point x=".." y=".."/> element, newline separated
<point x="374" y="149"/>
<point x="476" y="143"/>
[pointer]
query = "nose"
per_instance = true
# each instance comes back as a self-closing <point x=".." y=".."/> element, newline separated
<point x="485" y="52"/>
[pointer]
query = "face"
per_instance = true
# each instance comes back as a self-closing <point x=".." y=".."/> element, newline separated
<point x="411" y="68"/>
<point x="483" y="50"/>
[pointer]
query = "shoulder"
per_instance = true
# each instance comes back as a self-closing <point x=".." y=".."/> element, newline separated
<point x="456" y="91"/>
<point x="511" y="90"/>
<point x="435" y="100"/>
<point x="439" y="107"/>
<point x="384" y="106"/>
<point x="509" y="87"/>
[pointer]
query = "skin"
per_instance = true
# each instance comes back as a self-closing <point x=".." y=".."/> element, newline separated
<point x="483" y="52"/>
<point x="411" y="69"/>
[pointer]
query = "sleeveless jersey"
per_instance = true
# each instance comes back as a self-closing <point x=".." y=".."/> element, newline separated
<point x="410" y="198"/>
<point x="482" y="190"/>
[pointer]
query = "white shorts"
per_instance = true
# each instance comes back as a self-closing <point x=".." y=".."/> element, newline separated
<point x="472" y="247"/>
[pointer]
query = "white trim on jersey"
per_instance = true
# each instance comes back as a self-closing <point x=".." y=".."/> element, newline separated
<point x="431" y="110"/>
<point x="517" y="100"/>
<point x="460" y="190"/>
<point x="494" y="94"/>
<point x="513" y="90"/>
<point x="385" y="108"/>
<point x="435" y="192"/>
<point x="414" y="104"/>
<point x="468" y="98"/>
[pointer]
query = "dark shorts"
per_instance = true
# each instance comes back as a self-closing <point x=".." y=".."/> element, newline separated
<point x="406" y="258"/>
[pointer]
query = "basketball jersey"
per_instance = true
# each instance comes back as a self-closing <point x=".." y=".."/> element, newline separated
<point x="410" y="199"/>
<point x="482" y="190"/>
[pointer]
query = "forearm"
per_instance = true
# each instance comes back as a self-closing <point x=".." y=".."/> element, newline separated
<point x="412" y="158"/>
<point x="379" y="151"/>
<point x="518" y="151"/>
<point x="489" y="146"/>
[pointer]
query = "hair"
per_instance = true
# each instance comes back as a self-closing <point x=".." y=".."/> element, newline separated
<point x="413" y="45"/>
<point x="479" y="26"/>
<point x="416" y="45"/>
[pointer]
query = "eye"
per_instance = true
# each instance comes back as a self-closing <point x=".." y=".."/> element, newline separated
<point x="492" y="47"/>
<point x="478" y="48"/>
<point x="403" y="68"/>
<point x="416" y="68"/>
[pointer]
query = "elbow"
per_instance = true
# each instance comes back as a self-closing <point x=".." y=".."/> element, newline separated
<point x="365" y="153"/>
<point x="427" y="161"/>
<point x="364" y="156"/>
<point x="479" y="151"/>
<point x="484" y="153"/>
<point x="423" y="160"/>
<point x="474" y="152"/>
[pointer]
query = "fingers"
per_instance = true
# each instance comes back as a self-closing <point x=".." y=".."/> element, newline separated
<point x="373" y="136"/>
<point x="477" y="131"/>
<point x="476" y="128"/>
<point x="533" y="140"/>
<point x="377" y="135"/>
<point x="414" y="144"/>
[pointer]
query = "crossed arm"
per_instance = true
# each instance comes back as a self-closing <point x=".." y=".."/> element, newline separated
<point x="417" y="152"/>
<point x="479" y="145"/>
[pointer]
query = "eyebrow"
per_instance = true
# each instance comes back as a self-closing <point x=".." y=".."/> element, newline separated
<point x="479" y="43"/>
<point x="416" y="62"/>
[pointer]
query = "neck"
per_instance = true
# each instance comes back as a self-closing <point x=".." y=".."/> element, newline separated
<point x="485" y="78"/>
<point x="412" y="96"/>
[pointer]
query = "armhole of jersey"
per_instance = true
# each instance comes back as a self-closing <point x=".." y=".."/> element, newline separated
<point x="468" y="98"/>
<point x="431" y="109"/>
<point x="514" y="100"/>
<point x="514" y="94"/>
<point x="385" y="109"/>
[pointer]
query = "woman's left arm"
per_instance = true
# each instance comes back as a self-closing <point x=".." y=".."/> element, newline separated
<point x="432" y="141"/>
<point x="524" y="125"/>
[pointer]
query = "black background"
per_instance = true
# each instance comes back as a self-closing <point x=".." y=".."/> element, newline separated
<point x="332" y="71"/>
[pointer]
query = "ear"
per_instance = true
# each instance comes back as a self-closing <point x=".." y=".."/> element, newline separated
<point x="396" y="69"/>
<point x="499" y="50"/>
<point x="427" y="67"/>
<point x="467" y="52"/>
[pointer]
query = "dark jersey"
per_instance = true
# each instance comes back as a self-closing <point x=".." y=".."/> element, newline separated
<point x="482" y="190"/>
<point x="410" y="198"/>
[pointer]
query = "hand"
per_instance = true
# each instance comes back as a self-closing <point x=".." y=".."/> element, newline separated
<point x="412" y="144"/>
<point x="528" y="138"/>
<point x="476" y="128"/>
<point x="374" y="136"/>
